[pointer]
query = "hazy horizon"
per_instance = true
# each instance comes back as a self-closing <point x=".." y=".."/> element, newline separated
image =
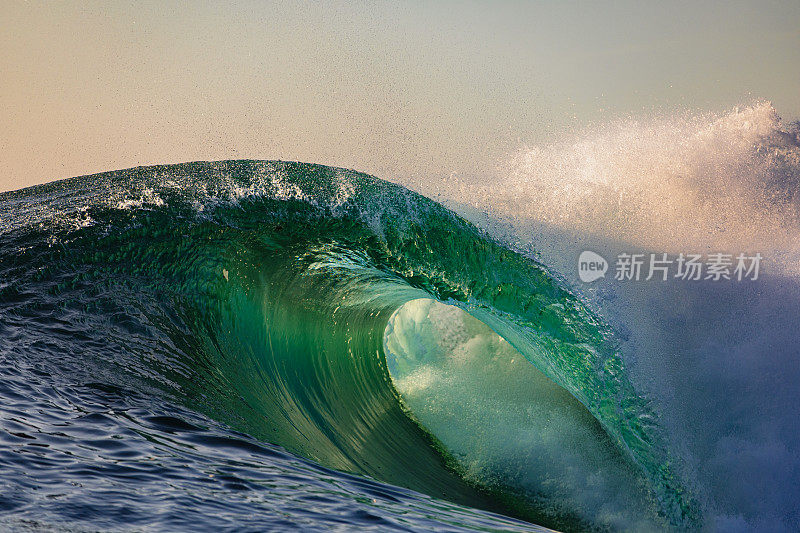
<point x="398" y="91"/>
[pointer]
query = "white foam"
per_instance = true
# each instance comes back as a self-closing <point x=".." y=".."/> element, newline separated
<point x="669" y="183"/>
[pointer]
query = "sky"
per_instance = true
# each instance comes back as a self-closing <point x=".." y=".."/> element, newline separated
<point x="399" y="90"/>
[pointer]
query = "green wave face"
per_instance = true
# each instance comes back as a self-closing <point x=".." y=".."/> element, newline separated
<point x="272" y="295"/>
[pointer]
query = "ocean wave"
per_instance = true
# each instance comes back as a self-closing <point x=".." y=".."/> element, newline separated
<point x="270" y="296"/>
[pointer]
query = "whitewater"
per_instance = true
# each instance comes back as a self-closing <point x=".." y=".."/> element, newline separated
<point x="269" y="344"/>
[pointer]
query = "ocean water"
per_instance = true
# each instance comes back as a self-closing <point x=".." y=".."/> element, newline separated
<point x="268" y="345"/>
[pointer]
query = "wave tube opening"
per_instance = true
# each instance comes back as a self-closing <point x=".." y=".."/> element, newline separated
<point x="506" y="424"/>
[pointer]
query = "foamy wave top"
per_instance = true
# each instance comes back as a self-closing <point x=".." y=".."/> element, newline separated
<point x="700" y="182"/>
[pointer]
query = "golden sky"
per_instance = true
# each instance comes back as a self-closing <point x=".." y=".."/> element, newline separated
<point x="401" y="91"/>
